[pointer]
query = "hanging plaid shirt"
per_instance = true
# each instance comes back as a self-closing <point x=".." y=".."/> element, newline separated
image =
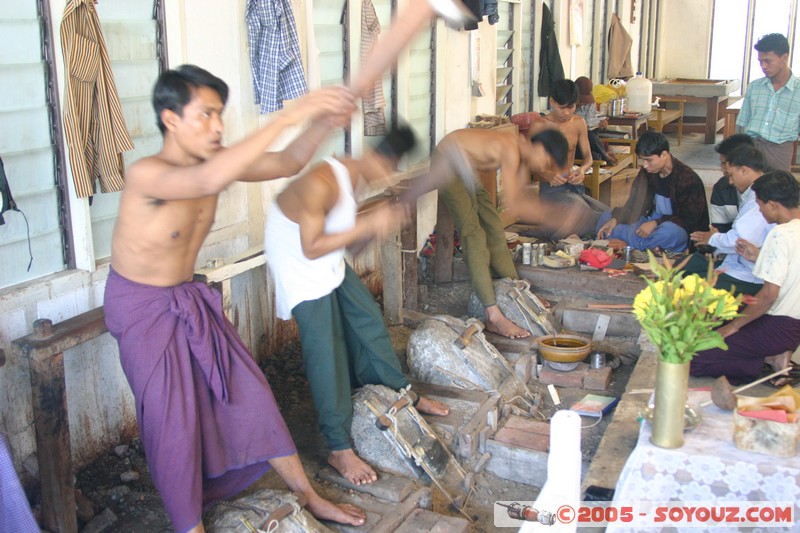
<point x="274" y="53"/>
<point x="772" y="115"/>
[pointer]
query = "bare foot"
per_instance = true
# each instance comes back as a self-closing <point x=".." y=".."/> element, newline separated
<point x="432" y="407"/>
<point x="780" y="361"/>
<point x="496" y="322"/>
<point x="343" y="513"/>
<point x="351" y="467"/>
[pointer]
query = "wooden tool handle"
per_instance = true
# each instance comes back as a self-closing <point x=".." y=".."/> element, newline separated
<point x="761" y="380"/>
<point x="466" y="337"/>
<point x="752" y="384"/>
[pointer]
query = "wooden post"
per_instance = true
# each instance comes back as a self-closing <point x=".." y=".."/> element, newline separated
<point x="48" y="391"/>
<point x="44" y="348"/>
<point x="408" y="248"/>
<point x="51" y="420"/>
<point x="443" y="258"/>
<point x="392" y="268"/>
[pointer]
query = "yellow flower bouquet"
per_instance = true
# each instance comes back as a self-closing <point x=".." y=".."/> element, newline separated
<point x="680" y="314"/>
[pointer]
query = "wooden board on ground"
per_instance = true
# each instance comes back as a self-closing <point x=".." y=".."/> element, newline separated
<point x="382" y="516"/>
<point x="471" y="414"/>
<point x="422" y="520"/>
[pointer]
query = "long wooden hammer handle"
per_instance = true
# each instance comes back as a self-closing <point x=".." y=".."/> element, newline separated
<point x="752" y="384"/>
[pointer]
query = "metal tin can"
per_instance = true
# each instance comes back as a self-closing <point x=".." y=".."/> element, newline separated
<point x="598" y="360"/>
<point x="628" y="253"/>
<point x="541" y="252"/>
<point x="526" y="253"/>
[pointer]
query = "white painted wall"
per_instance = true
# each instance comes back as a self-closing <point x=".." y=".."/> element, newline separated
<point x="684" y="33"/>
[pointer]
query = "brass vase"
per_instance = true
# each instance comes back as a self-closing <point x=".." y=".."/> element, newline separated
<point x="672" y="383"/>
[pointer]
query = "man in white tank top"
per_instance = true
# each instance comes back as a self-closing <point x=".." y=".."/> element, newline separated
<point x="345" y="342"/>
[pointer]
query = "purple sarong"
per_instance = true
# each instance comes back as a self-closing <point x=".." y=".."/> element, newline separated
<point x="207" y="417"/>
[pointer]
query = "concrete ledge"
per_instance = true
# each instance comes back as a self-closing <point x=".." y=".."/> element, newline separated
<point x="621" y="435"/>
<point x="594" y="285"/>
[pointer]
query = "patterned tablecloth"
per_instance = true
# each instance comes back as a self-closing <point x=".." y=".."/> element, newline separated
<point x="707" y="468"/>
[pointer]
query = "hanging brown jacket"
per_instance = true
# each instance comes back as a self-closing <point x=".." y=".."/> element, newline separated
<point x="619" y="50"/>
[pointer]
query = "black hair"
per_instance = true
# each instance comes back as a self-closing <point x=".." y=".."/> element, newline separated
<point x="773" y="42"/>
<point x="747" y="156"/>
<point x="564" y="92"/>
<point x="554" y="143"/>
<point x="729" y="144"/>
<point x="173" y="89"/>
<point x="650" y="143"/>
<point x="779" y="186"/>
<point x="397" y="142"/>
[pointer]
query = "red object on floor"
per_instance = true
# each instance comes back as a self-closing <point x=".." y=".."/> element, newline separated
<point x="596" y="258"/>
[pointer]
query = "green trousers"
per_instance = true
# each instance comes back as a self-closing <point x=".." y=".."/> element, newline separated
<point x="345" y="346"/>
<point x="483" y="238"/>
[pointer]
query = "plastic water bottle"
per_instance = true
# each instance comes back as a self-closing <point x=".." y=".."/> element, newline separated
<point x="640" y="94"/>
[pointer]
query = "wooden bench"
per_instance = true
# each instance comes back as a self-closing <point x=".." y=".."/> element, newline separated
<point x="665" y="115"/>
<point x="602" y="172"/>
<point x="44" y="349"/>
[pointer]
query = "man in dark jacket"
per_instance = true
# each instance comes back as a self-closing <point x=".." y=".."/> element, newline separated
<point x="667" y="202"/>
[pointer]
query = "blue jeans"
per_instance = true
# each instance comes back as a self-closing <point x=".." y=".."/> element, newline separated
<point x="668" y="236"/>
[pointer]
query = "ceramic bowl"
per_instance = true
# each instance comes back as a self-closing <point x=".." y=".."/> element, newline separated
<point x="565" y="348"/>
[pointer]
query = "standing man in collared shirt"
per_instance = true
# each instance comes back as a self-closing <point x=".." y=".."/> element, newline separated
<point x="745" y="165"/>
<point x="771" y="109"/>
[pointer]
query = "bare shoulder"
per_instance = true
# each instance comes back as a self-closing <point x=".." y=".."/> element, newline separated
<point x="144" y="171"/>
<point x="313" y="191"/>
<point x="577" y="123"/>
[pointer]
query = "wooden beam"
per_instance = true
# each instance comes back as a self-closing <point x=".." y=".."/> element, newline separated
<point x="392" y="268"/>
<point x="45" y="348"/>
<point x="443" y="258"/>
<point x="48" y="391"/>
<point x="48" y="339"/>
<point x="408" y="249"/>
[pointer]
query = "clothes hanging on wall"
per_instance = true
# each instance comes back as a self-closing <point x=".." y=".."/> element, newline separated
<point x="373" y="101"/>
<point x="619" y="50"/>
<point x="7" y="203"/>
<point x="476" y="8"/>
<point x="93" y="121"/>
<point x="550" y="67"/>
<point x="275" y="58"/>
<point x="490" y="11"/>
<point x="6" y="200"/>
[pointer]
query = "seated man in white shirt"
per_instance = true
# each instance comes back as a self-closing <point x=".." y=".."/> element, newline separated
<point x="769" y="329"/>
<point x="744" y="165"/>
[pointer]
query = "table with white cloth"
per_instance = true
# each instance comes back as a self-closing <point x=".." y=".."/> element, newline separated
<point x="707" y="468"/>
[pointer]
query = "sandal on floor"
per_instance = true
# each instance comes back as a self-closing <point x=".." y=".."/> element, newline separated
<point x="767" y="369"/>
<point x="778" y="382"/>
